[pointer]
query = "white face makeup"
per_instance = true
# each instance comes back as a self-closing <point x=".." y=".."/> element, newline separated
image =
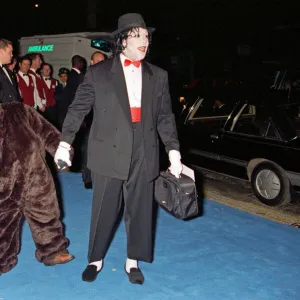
<point x="136" y="45"/>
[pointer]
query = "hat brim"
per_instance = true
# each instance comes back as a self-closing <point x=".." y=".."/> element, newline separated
<point x="114" y="33"/>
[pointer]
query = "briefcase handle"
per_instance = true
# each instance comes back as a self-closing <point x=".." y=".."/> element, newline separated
<point x="168" y="171"/>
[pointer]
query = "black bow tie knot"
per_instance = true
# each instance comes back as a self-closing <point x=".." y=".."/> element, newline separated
<point x="48" y="78"/>
<point x="25" y="74"/>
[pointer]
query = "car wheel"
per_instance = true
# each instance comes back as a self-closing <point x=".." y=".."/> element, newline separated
<point x="271" y="185"/>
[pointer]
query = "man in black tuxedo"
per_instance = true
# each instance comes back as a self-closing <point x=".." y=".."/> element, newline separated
<point x="75" y="77"/>
<point x="8" y="88"/>
<point x="132" y="106"/>
<point x="59" y="90"/>
<point x="11" y="70"/>
<point x="63" y="76"/>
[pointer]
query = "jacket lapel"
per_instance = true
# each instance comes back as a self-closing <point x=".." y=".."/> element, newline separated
<point x="119" y="83"/>
<point x="5" y="76"/>
<point x="147" y="88"/>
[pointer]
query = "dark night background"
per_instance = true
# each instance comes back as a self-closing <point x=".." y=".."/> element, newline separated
<point x="193" y="37"/>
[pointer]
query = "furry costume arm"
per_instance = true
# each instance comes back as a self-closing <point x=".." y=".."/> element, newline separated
<point x="46" y="132"/>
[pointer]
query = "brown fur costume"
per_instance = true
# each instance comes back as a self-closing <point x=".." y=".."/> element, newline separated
<point x="26" y="184"/>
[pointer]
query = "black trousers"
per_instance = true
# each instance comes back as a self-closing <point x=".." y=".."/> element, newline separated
<point x="86" y="173"/>
<point x="137" y="193"/>
<point x="50" y="115"/>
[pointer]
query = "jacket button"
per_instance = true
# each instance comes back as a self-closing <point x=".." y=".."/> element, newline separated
<point x="117" y="128"/>
<point x="151" y="129"/>
<point x="114" y="146"/>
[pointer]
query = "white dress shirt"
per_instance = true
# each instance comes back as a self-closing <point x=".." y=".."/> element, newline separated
<point x="34" y="71"/>
<point x="133" y="78"/>
<point x="26" y="78"/>
<point x="76" y="70"/>
<point x="38" y="102"/>
<point x="47" y="81"/>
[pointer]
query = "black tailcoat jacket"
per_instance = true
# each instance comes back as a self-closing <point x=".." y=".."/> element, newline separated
<point x="8" y="89"/>
<point x="111" y="136"/>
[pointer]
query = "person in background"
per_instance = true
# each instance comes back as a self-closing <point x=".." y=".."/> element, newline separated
<point x="26" y="82"/>
<point x="36" y="62"/>
<point x="11" y="68"/>
<point x="49" y="86"/>
<point x="8" y="88"/>
<point x="63" y="77"/>
<point x="75" y="77"/>
<point x="12" y="71"/>
<point x="96" y="57"/>
<point x="58" y="94"/>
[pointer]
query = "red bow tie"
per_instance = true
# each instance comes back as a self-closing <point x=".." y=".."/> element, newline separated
<point x="128" y="62"/>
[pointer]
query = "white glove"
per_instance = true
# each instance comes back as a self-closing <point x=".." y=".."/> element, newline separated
<point x="175" y="160"/>
<point x="63" y="154"/>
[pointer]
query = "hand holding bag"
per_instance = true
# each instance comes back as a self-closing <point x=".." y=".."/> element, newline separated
<point x="178" y="196"/>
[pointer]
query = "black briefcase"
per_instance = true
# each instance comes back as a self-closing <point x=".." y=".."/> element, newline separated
<point x="178" y="196"/>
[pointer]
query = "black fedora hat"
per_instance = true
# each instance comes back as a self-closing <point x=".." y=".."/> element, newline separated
<point x="131" y="20"/>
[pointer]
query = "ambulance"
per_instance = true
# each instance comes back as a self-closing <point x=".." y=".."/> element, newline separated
<point x="58" y="49"/>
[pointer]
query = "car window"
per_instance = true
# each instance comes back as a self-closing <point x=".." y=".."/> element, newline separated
<point x="293" y="79"/>
<point x="293" y="112"/>
<point x="271" y="131"/>
<point x="255" y="121"/>
<point x="212" y="109"/>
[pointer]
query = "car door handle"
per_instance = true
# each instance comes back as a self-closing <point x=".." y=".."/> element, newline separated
<point x="214" y="136"/>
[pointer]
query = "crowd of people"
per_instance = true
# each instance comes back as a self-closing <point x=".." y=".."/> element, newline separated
<point x="36" y="87"/>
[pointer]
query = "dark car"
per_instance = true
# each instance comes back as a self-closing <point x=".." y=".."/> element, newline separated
<point x="212" y="88"/>
<point x="268" y="82"/>
<point x="259" y="140"/>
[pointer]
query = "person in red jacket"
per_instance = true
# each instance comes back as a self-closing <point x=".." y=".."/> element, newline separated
<point x="26" y="82"/>
<point x="49" y="85"/>
<point x="36" y="62"/>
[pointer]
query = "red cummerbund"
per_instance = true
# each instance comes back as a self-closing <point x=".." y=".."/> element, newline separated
<point x="135" y="114"/>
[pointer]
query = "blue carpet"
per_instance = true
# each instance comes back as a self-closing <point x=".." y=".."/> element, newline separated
<point x="226" y="254"/>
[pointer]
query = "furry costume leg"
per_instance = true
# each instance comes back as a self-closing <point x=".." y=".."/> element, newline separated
<point x="9" y="238"/>
<point x="11" y="203"/>
<point x="42" y="214"/>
